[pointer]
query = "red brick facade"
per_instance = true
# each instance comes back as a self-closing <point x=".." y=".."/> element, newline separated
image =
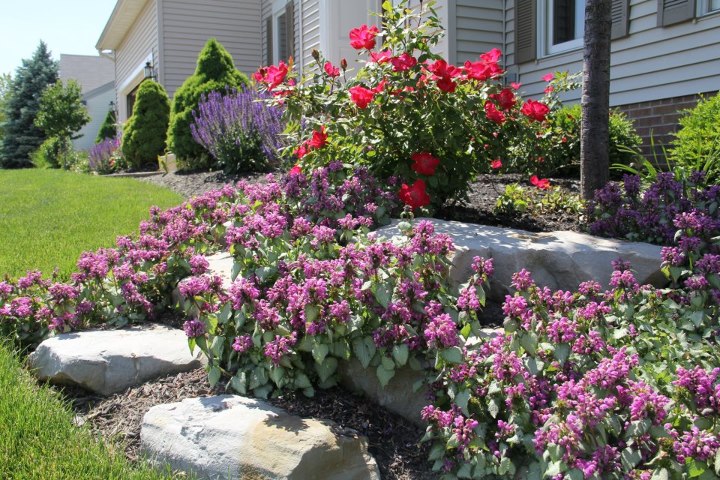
<point x="659" y="119"/>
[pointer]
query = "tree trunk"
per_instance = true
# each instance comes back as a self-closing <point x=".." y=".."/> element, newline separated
<point x="594" y="135"/>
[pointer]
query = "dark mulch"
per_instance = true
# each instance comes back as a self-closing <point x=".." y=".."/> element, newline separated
<point x="393" y="441"/>
<point x="477" y="209"/>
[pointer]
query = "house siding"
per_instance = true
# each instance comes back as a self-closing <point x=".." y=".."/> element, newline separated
<point x="300" y="8"/>
<point x="139" y="44"/>
<point x="651" y="63"/>
<point x="188" y="24"/>
<point x="97" y="103"/>
<point x="310" y="30"/>
<point x="478" y="28"/>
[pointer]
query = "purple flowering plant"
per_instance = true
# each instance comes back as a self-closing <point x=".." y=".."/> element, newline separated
<point x="240" y="129"/>
<point x="106" y="157"/>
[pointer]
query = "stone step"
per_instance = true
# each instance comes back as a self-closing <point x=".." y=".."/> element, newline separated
<point x="558" y="260"/>
<point x="230" y="436"/>
<point x="110" y="361"/>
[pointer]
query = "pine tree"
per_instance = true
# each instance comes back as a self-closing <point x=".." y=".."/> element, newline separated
<point x="22" y="137"/>
<point x="144" y="133"/>
<point x="108" y="128"/>
<point x="215" y="72"/>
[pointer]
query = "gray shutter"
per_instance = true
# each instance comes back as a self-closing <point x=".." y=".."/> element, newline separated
<point x="671" y="12"/>
<point x="620" y="18"/>
<point x="290" y="29"/>
<point x="525" y="31"/>
<point x="269" y="41"/>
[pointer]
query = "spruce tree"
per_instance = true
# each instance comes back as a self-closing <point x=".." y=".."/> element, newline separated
<point x="215" y="72"/>
<point x="144" y="133"/>
<point x="21" y="136"/>
<point x="108" y="128"/>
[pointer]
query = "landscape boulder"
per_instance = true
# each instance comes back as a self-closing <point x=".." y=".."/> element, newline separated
<point x="110" y="361"/>
<point x="231" y="436"/>
<point x="558" y="260"/>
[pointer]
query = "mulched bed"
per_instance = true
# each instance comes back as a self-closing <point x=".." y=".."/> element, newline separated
<point x="393" y="441"/>
<point x="477" y="209"/>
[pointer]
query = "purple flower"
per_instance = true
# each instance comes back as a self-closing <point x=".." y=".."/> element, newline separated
<point x="242" y="344"/>
<point x="194" y="328"/>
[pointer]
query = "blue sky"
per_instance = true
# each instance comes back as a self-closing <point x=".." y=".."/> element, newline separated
<point x="67" y="26"/>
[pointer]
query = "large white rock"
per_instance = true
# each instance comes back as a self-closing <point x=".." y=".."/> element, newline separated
<point x="231" y="436"/>
<point x="559" y="260"/>
<point x="110" y="361"/>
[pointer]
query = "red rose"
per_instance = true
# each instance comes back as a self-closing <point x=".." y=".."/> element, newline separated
<point x="275" y="75"/>
<point x="403" y="62"/>
<point x="361" y="96"/>
<point x="301" y="151"/>
<point x="260" y="75"/>
<point x="515" y="85"/>
<point x="363" y="37"/>
<point x="548" y="77"/>
<point x="541" y="183"/>
<point x="497" y="163"/>
<point x="380" y="86"/>
<point x="492" y="56"/>
<point x="535" y="110"/>
<point x="447" y="84"/>
<point x="493" y="114"/>
<point x="425" y="163"/>
<point x="295" y="170"/>
<point x="318" y="140"/>
<point x="332" y="70"/>
<point x="381" y="57"/>
<point x="414" y="195"/>
<point x="506" y="98"/>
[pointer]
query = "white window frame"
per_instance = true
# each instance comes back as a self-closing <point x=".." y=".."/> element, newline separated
<point x="704" y="8"/>
<point x="545" y="30"/>
<point x="278" y="10"/>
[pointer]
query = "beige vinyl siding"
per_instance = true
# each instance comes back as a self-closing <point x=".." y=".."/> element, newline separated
<point x="650" y="63"/>
<point x="139" y="44"/>
<point x="478" y="28"/>
<point x="310" y="31"/>
<point x="188" y="24"/>
<point x="266" y="12"/>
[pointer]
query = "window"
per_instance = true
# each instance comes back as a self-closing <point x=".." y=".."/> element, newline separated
<point x="708" y="6"/>
<point x="281" y="32"/>
<point x="562" y="25"/>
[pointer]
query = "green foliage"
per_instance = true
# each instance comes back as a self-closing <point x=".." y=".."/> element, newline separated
<point x="22" y="137"/>
<point x="39" y="439"/>
<point x="144" y="133"/>
<point x="518" y="200"/>
<point x="55" y="152"/>
<point x="697" y="144"/>
<point x="62" y="113"/>
<point x="557" y="149"/>
<point x="50" y="217"/>
<point x="215" y="71"/>
<point x="109" y="127"/>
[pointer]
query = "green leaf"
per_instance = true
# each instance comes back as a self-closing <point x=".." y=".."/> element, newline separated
<point x="225" y="313"/>
<point x="239" y="383"/>
<point x="383" y="295"/>
<point x="364" y="349"/>
<point x="494" y="407"/>
<point x="437" y="451"/>
<point x="660" y="474"/>
<point x="217" y="346"/>
<point x="562" y="352"/>
<point x="277" y="374"/>
<point x="326" y="368"/>
<point x="320" y="351"/>
<point x="302" y="381"/>
<point x="237" y="268"/>
<point x="630" y="458"/>
<point x="214" y="376"/>
<point x="529" y="342"/>
<point x="695" y="468"/>
<point x="452" y="355"/>
<point x="465" y="471"/>
<point x="400" y="354"/>
<point x="311" y="313"/>
<point x="384" y="375"/>
<point x="461" y="400"/>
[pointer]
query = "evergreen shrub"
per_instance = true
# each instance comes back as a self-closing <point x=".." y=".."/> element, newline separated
<point x="144" y="133"/>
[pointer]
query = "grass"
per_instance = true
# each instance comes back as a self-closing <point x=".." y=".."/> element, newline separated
<point x="49" y="217"/>
<point x="39" y="441"/>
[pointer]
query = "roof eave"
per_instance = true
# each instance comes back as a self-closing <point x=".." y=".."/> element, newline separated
<point x="121" y="20"/>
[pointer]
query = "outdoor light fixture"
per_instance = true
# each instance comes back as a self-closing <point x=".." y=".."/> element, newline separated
<point x="149" y="71"/>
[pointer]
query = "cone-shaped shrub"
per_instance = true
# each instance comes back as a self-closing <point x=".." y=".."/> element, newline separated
<point x="108" y="128"/>
<point x="215" y="72"/>
<point x="144" y="133"/>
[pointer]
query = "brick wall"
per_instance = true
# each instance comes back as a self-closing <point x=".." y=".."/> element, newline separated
<point x="658" y="119"/>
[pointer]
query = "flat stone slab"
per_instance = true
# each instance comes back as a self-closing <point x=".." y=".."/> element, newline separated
<point x="558" y="260"/>
<point x="230" y="436"/>
<point x="110" y="361"/>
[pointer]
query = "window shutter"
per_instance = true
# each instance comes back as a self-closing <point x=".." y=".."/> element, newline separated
<point x="620" y="18"/>
<point x="269" y="41"/>
<point x="671" y="12"/>
<point x="290" y="29"/>
<point x="525" y="31"/>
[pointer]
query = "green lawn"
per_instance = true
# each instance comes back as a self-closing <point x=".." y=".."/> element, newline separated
<point x="49" y="217"/>
<point x="39" y="441"/>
